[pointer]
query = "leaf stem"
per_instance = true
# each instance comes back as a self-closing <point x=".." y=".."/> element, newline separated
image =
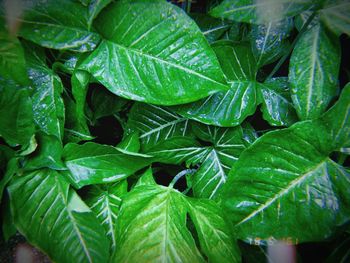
<point x="285" y="56"/>
<point x="180" y="175"/>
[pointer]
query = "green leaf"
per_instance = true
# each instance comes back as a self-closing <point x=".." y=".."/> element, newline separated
<point x="151" y="227"/>
<point x="228" y="108"/>
<point x="95" y="7"/>
<point x="312" y="74"/>
<point x="76" y="121"/>
<point x="45" y="24"/>
<point x="156" y="124"/>
<point x="16" y="113"/>
<point x="177" y="150"/>
<point x="48" y="105"/>
<point x="268" y="40"/>
<point x="211" y="27"/>
<point x="337" y="121"/>
<point x="277" y="107"/>
<point x="149" y="59"/>
<point x="130" y="143"/>
<point x="227" y="145"/>
<point x="214" y="231"/>
<point x="146" y="178"/>
<point x="261" y="11"/>
<point x="335" y="14"/>
<point x="11" y="53"/>
<point x="284" y="182"/>
<point x="52" y="217"/>
<point x="105" y="202"/>
<point x="47" y="154"/>
<point x="93" y="163"/>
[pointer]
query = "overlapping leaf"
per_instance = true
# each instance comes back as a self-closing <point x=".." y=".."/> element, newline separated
<point x="312" y="74"/>
<point x="285" y="180"/>
<point x="151" y="227"/>
<point x="105" y="202"/>
<point x="335" y="14"/>
<point x="156" y="124"/>
<point x="44" y="23"/>
<point x="53" y="217"/>
<point x="261" y="11"/>
<point x="228" y="108"/>
<point x="93" y="163"/>
<point x="149" y="59"/>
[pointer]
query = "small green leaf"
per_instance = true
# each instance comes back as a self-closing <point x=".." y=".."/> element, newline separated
<point x="52" y="217"/>
<point x="146" y="178"/>
<point x="12" y="61"/>
<point x="277" y="107"/>
<point x="105" y="202"/>
<point x="48" y="105"/>
<point x="93" y="163"/>
<point x="312" y="74"/>
<point x="151" y="227"/>
<point x="130" y="143"/>
<point x="156" y="124"/>
<point x="268" y="40"/>
<point x="149" y="59"/>
<point x="45" y="24"/>
<point x="214" y="231"/>
<point x="261" y="11"/>
<point x="16" y="113"/>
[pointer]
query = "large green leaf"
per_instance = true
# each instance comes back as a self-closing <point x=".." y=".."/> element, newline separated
<point x="44" y="23"/>
<point x="335" y="14"/>
<point x="156" y="124"/>
<point x="48" y="105"/>
<point x="151" y="227"/>
<point x="105" y="202"/>
<point x="312" y="74"/>
<point x="285" y="181"/>
<point x="268" y="40"/>
<point x="149" y="59"/>
<point x="228" y="108"/>
<point x="214" y="232"/>
<point x="16" y="113"/>
<point x="95" y="7"/>
<point x="12" y="62"/>
<point x="277" y="107"/>
<point x="93" y="163"/>
<point x="52" y="217"/>
<point x="261" y="11"/>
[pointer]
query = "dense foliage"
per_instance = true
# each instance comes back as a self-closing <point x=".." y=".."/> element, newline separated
<point x="137" y="131"/>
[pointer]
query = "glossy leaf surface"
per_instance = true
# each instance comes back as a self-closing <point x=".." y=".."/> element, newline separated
<point x="151" y="227"/>
<point x="213" y="231"/>
<point x="156" y="124"/>
<point x="228" y="108"/>
<point x="53" y="217"/>
<point x="260" y="11"/>
<point x="105" y="202"/>
<point x="312" y="74"/>
<point x="268" y="40"/>
<point x="277" y="107"/>
<point x="149" y="59"/>
<point x="93" y="163"/>
<point x="48" y="106"/>
<point x="44" y="23"/>
<point x="279" y="193"/>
